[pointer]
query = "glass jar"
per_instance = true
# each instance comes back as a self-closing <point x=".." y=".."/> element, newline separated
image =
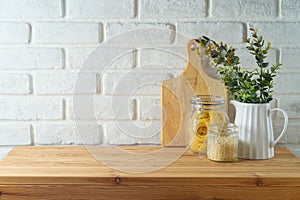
<point x="222" y="142"/>
<point x="206" y="110"/>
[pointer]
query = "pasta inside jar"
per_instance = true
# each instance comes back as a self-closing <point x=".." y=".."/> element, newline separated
<point x="205" y="111"/>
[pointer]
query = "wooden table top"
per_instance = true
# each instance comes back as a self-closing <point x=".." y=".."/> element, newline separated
<point x="75" y="165"/>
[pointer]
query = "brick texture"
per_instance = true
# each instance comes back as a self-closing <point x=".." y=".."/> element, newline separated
<point x="14" y="33"/>
<point x="30" y="8"/>
<point x="290" y="58"/>
<point x="221" y="31"/>
<point x="134" y="132"/>
<point x="244" y="9"/>
<point x="287" y="83"/>
<point x="133" y="83"/>
<point x="162" y="58"/>
<point x="30" y="108"/>
<point x="66" y="32"/>
<point x="14" y="84"/>
<point x="149" y="108"/>
<point x="14" y="134"/>
<point x="279" y="32"/>
<point x="140" y="33"/>
<point x="173" y="8"/>
<point x="67" y="134"/>
<point x="31" y="58"/>
<point x="290" y="8"/>
<point x="101" y="9"/>
<point x="64" y="83"/>
<point x="103" y="107"/>
<point x="101" y="58"/>
<point x="247" y="60"/>
<point x="122" y="51"/>
<point x="291" y="105"/>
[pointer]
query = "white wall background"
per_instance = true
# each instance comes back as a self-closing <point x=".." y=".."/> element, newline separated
<point x="43" y="43"/>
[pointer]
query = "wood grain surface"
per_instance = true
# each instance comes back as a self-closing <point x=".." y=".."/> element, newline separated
<point x="92" y="192"/>
<point x="176" y="93"/>
<point x="34" y="172"/>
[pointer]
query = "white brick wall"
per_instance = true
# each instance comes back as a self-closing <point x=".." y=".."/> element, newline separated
<point x="104" y="108"/>
<point x="291" y="105"/>
<point x="31" y="8"/>
<point x="121" y="58"/>
<point x="14" y="33"/>
<point x="140" y="33"/>
<point x="66" y="134"/>
<point x="132" y="133"/>
<point x="290" y="8"/>
<point x="149" y="108"/>
<point x="31" y="58"/>
<point x="173" y="8"/>
<point x="249" y="61"/>
<point x="290" y="55"/>
<point x="162" y="58"/>
<point x="244" y="9"/>
<point x="134" y="82"/>
<point x="14" y="84"/>
<point x="88" y="9"/>
<point x="279" y="32"/>
<point x="288" y="83"/>
<point x="139" y="43"/>
<point x="63" y="83"/>
<point x="12" y="133"/>
<point x="220" y="31"/>
<point x="60" y="32"/>
<point x="30" y="108"/>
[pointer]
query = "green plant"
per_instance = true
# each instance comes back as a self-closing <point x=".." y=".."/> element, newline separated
<point x="247" y="86"/>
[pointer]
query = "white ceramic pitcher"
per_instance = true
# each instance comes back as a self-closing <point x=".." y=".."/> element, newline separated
<point x="256" y="137"/>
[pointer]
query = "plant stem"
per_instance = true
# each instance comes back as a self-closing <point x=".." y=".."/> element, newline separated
<point x="261" y="86"/>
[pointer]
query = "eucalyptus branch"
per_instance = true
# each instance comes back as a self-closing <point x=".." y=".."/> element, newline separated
<point x="253" y="86"/>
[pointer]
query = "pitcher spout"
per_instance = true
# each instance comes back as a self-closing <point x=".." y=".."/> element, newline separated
<point x="234" y="103"/>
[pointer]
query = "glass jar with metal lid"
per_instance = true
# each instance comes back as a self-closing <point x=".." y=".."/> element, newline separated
<point x="206" y="110"/>
<point x="222" y="142"/>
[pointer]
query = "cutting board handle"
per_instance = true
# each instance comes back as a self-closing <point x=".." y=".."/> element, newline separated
<point x="199" y="60"/>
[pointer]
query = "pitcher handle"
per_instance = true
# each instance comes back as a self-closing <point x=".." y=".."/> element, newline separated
<point x="286" y="119"/>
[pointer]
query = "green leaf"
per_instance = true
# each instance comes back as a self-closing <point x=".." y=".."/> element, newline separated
<point x="252" y="86"/>
<point x="206" y="38"/>
<point x="223" y="53"/>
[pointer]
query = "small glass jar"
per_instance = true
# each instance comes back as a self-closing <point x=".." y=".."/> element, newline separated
<point x="206" y="109"/>
<point x="222" y="142"/>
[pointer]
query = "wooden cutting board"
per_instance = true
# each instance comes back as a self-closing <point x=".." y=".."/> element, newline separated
<point x="176" y="93"/>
